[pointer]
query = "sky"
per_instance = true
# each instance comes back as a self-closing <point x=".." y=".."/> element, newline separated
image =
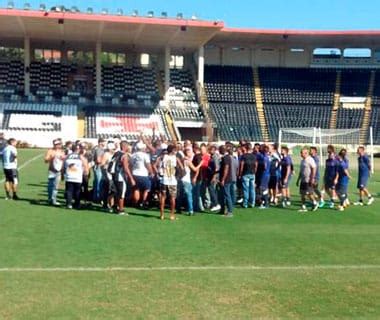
<point x="268" y="14"/>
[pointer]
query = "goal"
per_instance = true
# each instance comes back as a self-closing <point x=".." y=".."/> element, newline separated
<point x="321" y="138"/>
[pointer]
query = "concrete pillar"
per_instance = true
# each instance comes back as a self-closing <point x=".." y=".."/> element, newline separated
<point x="167" y="72"/>
<point x="26" y="66"/>
<point x="201" y="65"/>
<point x="98" y="74"/>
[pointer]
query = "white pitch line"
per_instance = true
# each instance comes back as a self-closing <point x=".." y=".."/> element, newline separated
<point x="194" y="268"/>
<point x="26" y="163"/>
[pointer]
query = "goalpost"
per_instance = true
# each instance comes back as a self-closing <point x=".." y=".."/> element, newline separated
<point x="321" y="138"/>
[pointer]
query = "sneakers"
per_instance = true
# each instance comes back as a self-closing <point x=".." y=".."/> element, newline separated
<point x="240" y="201"/>
<point x="359" y="203"/>
<point x="228" y="215"/>
<point x="122" y="213"/>
<point x="69" y="207"/>
<point x="263" y="207"/>
<point x="331" y="205"/>
<point x="191" y="213"/>
<point x="370" y="201"/>
<point x="321" y="204"/>
<point x="216" y="208"/>
<point x="15" y="197"/>
<point x="340" y="208"/>
<point x="303" y="209"/>
<point x="315" y="206"/>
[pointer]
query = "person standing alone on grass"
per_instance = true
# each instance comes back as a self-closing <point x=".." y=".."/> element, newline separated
<point x="75" y="165"/>
<point x="54" y="158"/>
<point x="306" y="180"/>
<point x="10" y="170"/>
<point x="364" y="168"/>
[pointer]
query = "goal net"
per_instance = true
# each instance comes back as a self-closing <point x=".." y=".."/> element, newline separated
<point x="321" y="138"/>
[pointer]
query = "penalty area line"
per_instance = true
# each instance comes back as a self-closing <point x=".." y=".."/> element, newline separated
<point x="193" y="268"/>
<point x="26" y="163"/>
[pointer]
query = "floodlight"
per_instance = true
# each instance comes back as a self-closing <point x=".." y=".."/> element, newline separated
<point x="104" y="11"/>
<point x="119" y="12"/>
<point x="164" y="14"/>
<point x="10" y="5"/>
<point x="42" y="7"/>
<point x="135" y="13"/>
<point x="180" y="15"/>
<point x="27" y="6"/>
<point x="90" y="10"/>
<point x="150" y="14"/>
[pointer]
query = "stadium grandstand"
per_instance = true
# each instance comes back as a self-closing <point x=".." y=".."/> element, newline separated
<point x="85" y="75"/>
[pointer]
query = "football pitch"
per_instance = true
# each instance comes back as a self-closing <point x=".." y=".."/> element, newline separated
<point x="278" y="263"/>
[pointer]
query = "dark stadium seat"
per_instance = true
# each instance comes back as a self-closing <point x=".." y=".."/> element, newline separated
<point x="297" y="85"/>
<point x="355" y="82"/>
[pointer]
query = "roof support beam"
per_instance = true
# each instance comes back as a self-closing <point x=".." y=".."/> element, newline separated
<point x="26" y="66"/>
<point x="201" y="65"/>
<point x="167" y="74"/>
<point x="98" y="73"/>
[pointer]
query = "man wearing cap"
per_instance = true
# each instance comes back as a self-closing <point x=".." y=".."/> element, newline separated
<point x="54" y="158"/>
<point x="141" y="171"/>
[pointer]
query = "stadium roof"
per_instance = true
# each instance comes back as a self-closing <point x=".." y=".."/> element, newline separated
<point x="113" y="31"/>
<point x="81" y="30"/>
<point x="313" y="38"/>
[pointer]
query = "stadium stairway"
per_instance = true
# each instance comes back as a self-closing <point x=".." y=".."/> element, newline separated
<point x="205" y="107"/>
<point x="368" y="109"/>
<point x="81" y="125"/>
<point x="260" y="105"/>
<point x="334" y="113"/>
<point x="169" y="123"/>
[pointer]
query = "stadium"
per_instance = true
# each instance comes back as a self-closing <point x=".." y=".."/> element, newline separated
<point x="98" y="77"/>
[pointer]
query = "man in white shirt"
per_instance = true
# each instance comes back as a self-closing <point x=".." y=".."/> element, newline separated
<point x="306" y="180"/>
<point x="167" y="165"/>
<point x="10" y="170"/>
<point x="54" y="158"/>
<point x="141" y="172"/>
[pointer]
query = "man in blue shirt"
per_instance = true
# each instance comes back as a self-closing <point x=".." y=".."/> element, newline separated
<point x="342" y="179"/>
<point x="286" y="165"/>
<point x="364" y="168"/>
<point x="264" y="179"/>
<point x="331" y="174"/>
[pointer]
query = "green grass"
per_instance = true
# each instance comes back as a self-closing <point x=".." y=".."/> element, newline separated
<point x="34" y="235"/>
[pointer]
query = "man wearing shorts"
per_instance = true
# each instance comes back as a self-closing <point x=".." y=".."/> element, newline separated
<point x="141" y="171"/>
<point x="286" y="175"/>
<point x="331" y="173"/>
<point x="264" y="178"/>
<point x="364" y="168"/>
<point x="167" y="165"/>
<point x="306" y="180"/>
<point x="10" y="170"/>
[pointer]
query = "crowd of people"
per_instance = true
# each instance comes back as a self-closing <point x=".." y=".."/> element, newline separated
<point x="190" y="176"/>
